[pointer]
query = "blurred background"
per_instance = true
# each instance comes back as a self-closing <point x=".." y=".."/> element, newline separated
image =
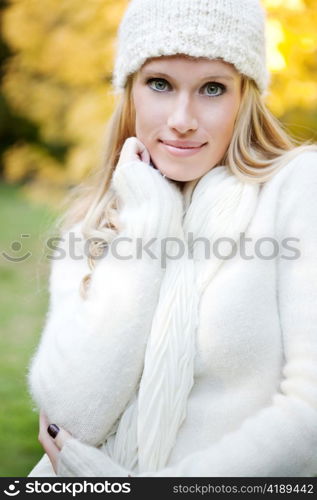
<point x="55" y="99"/>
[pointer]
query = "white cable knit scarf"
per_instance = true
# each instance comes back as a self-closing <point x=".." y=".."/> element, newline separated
<point x="221" y="207"/>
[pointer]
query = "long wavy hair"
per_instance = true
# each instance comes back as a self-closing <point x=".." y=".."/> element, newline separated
<point x="259" y="147"/>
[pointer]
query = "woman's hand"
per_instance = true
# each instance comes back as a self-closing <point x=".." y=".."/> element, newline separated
<point x="133" y="149"/>
<point x="149" y="205"/>
<point x="52" y="445"/>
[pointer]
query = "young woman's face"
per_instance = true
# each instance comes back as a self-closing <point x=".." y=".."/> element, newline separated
<point x="181" y="99"/>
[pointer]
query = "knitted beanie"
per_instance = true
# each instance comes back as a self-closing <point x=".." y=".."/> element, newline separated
<point x="233" y="30"/>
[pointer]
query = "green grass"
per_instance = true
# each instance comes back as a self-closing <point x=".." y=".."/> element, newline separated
<point x="24" y="301"/>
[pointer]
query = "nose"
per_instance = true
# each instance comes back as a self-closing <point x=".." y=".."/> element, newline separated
<point x="182" y="117"/>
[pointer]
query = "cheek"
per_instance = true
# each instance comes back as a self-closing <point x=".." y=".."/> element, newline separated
<point x="149" y="121"/>
<point x="221" y="123"/>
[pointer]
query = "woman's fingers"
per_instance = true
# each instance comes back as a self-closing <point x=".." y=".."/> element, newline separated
<point x="57" y="435"/>
<point x="52" y="438"/>
<point x="48" y="444"/>
<point x="133" y="149"/>
<point x="62" y="437"/>
<point x="141" y="151"/>
<point x="43" y="424"/>
<point x="145" y="156"/>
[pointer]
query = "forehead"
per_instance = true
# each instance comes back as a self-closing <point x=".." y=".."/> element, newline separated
<point x="192" y="65"/>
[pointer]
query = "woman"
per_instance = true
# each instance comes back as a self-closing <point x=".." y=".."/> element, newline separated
<point x="190" y="348"/>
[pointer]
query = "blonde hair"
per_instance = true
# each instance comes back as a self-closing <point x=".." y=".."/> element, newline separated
<point x="259" y="146"/>
<point x="258" y="149"/>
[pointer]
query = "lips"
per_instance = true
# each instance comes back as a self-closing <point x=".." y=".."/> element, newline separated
<point x="181" y="152"/>
<point x="183" y="144"/>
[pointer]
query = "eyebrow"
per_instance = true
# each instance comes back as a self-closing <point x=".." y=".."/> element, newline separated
<point x="211" y="77"/>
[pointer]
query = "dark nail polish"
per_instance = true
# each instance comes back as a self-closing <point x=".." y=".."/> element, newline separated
<point x="53" y="430"/>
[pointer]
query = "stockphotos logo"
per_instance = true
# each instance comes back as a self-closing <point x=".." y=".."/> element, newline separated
<point x="126" y="248"/>
<point x="72" y="488"/>
<point x="12" y="489"/>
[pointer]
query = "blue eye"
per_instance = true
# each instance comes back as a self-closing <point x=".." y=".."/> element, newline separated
<point x="214" y="87"/>
<point x="217" y="89"/>
<point x="158" y="80"/>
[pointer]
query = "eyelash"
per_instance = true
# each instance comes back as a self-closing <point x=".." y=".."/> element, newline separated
<point x="220" y="85"/>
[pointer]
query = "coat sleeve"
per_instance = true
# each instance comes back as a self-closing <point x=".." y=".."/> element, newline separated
<point x="281" y="439"/>
<point x="90" y="356"/>
<point x="77" y="459"/>
<point x="91" y="351"/>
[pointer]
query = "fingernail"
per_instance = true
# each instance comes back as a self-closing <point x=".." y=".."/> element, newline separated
<point x="53" y="430"/>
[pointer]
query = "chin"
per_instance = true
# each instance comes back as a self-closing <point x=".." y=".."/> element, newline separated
<point x="173" y="175"/>
<point x="182" y="178"/>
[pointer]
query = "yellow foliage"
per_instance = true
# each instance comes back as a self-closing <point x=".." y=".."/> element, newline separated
<point x="40" y="99"/>
<point x="59" y="79"/>
<point x="289" y="4"/>
<point x="292" y="49"/>
<point x="275" y="36"/>
<point x="24" y="160"/>
<point x="87" y="113"/>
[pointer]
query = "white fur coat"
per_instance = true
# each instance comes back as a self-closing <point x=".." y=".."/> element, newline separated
<point x="252" y="410"/>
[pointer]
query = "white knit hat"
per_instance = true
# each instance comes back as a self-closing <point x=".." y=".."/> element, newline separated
<point x="233" y="30"/>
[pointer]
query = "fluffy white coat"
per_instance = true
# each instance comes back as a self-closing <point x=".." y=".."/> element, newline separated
<point x="253" y="408"/>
